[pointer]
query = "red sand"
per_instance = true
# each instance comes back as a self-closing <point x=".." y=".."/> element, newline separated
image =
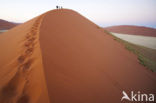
<point x="5" y="25"/>
<point x="135" y="30"/>
<point x="61" y="57"/>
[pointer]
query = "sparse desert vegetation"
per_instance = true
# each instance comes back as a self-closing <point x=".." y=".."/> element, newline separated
<point x="146" y="56"/>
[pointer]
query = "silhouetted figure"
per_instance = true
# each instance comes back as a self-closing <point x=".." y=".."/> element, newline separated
<point x="57" y="7"/>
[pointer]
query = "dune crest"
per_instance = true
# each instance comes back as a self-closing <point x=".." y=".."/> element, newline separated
<point x="62" y="57"/>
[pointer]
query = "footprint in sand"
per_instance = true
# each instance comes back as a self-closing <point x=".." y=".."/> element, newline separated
<point x="21" y="59"/>
<point x="23" y="99"/>
<point x="32" y="39"/>
<point x="27" y="65"/>
<point x="29" y="50"/>
<point x="29" y="44"/>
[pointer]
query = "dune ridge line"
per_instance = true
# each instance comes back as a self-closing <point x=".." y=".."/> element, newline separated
<point x="63" y="57"/>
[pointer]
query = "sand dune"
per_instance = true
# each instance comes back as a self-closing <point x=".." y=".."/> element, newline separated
<point x="62" y="57"/>
<point x="5" y="25"/>
<point x="134" y="30"/>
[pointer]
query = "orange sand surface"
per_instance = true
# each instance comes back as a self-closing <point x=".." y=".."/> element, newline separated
<point x="62" y="57"/>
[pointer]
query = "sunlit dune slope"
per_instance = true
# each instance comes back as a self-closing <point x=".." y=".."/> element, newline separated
<point x="21" y="71"/>
<point x="62" y="57"/>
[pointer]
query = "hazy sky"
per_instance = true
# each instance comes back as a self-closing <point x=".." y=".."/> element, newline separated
<point x="102" y="12"/>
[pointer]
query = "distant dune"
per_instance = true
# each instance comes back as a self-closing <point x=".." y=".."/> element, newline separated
<point x="134" y="30"/>
<point x="62" y="57"/>
<point x="5" y="25"/>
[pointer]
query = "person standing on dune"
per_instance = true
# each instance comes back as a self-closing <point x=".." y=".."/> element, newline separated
<point x="57" y="7"/>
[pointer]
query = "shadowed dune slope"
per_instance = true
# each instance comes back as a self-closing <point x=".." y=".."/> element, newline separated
<point x="62" y="57"/>
<point x="134" y="30"/>
<point x="82" y="64"/>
